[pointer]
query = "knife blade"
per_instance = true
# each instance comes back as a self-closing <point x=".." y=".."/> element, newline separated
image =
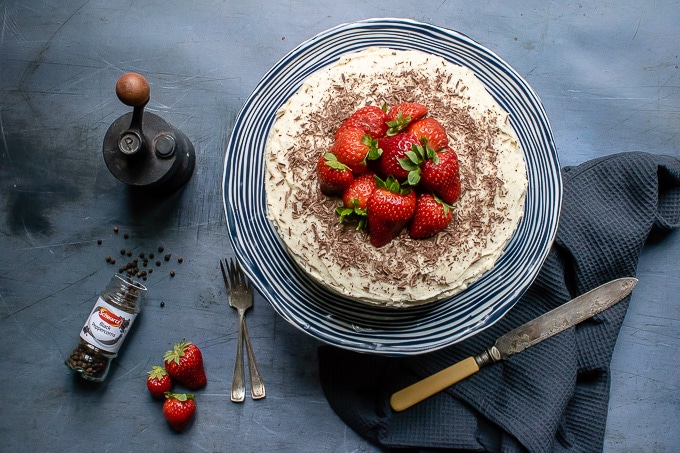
<point x="517" y="340"/>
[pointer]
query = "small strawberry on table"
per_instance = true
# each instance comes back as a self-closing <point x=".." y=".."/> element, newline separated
<point x="184" y="363"/>
<point x="179" y="410"/>
<point x="158" y="382"/>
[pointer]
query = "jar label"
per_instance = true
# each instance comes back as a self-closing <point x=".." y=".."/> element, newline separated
<point x="107" y="326"/>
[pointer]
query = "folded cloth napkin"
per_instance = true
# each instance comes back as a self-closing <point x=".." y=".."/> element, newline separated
<point x="552" y="397"/>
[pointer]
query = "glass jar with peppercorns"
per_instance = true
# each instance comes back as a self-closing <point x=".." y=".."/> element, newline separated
<point x="105" y="329"/>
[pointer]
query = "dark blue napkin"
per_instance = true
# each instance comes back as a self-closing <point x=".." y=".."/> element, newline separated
<point x="552" y="397"/>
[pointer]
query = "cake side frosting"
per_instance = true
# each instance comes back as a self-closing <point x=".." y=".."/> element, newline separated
<point x="406" y="271"/>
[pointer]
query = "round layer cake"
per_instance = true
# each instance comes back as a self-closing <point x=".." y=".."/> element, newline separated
<point x="406" y="271"/>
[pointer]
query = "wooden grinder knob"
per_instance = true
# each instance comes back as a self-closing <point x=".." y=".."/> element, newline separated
<point x="133" y="89"/>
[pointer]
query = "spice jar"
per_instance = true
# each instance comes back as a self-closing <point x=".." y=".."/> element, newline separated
<point x="105" y="329"/>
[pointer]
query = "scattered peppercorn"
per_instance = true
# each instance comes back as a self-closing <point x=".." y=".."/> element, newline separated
<point x="99" y="241"/>
<point x="158" y="262"/>
<point x="160" y="249"/>
<point x="162" y="304"/>
<point x="167" y="257"/>
<point x="115" y="229"/>
<point x="141" y="255"/>
<point x="151" y="256"/>
<point x="180" y="260"/>
<point x="122" y="251"/>
<point x="126" y="236"/>
<point x="172" y="273"/>
<point x="129" y="253"/>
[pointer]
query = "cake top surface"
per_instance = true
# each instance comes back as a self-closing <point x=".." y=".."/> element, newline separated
<point x="406" y="271"/>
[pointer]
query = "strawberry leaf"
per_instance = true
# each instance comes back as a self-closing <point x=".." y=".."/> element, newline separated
<point x="428" y="152"/>
<point x="446" y="206"/>
<point x="398" y="125"/>
<point x="413" y="177"/>
<point x="333" y="162"/>
<point x="345" y="214"/>
<point x="408" y="164"/>
<point x="374" y="152"/>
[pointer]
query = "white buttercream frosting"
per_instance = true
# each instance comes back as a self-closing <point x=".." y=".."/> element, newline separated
<point x="405" y="272"/>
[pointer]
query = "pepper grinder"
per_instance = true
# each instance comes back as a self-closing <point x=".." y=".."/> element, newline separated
<point x="143" y="150"/>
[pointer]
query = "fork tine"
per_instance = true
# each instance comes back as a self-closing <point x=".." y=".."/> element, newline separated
<point x="224" y="274"/>
<point x="236" y="274"/>
<point x="233" y="272"/>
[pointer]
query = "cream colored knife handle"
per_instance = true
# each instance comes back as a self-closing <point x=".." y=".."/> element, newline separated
<point x="415" y="393"/>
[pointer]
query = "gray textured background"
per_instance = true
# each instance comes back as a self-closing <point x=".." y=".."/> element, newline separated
<point x="607" y="73"/>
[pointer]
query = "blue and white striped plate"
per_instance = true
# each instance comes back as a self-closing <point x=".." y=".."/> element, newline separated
<point x="340" y="321"/>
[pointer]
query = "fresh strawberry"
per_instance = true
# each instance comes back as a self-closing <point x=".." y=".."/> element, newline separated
<point x="389" y="210"/>
<point x="432" y="215"/>
<point x="334" y="176"/>
<point x="359" y="191"/>
<point x="400" y="156"/>
<point x="371" y="118"/>
<point x="184" y="363"/>
<point x="355" y="199"/>
<point x="179" y="410"/>
<point x="353" y="146"/>
<point x="403" y="114"/>
<point x="158" y="382"/>
<point x="431" y="130"/>
<point x="440" y="175"/>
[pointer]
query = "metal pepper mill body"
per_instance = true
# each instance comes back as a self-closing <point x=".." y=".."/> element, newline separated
<point x="143" y="150"/>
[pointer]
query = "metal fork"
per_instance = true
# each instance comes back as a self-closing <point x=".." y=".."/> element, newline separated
<point x="241" y="298"/>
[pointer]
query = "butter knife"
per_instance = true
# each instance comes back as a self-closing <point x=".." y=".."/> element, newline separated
<point x="553" y="322"/>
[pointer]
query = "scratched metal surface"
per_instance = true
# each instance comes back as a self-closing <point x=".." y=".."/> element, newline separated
<point x="607" y="73"/>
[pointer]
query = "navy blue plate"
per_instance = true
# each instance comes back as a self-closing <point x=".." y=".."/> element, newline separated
<point x="340" y="321"/>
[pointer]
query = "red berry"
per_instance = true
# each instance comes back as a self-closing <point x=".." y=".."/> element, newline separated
<point x="389" y="210"/>
<point x="396" y="158"/>
<point x="352" y="147"/>
<point x="441" y="176"/>
<point x="179" y="410"/>
<point x="403" y="114"/>
<point x="431" y="130"/>
<point x="432" y="215"/>
<point x="184" y="363"/>
<point x="359" y="191"/>
<point x="371" y="119"/>
<point x="158" y="382"/>
<point x="334" y="176"/>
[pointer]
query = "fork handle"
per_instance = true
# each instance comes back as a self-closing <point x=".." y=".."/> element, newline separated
<point x="256" y="384"/>
<point x="238" y="385"/>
